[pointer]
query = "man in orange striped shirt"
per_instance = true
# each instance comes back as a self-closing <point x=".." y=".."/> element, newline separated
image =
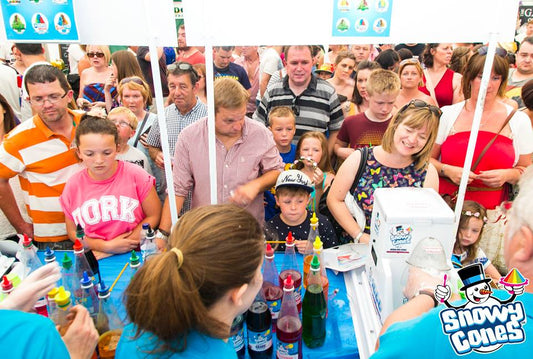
<point x="42" y="153"/>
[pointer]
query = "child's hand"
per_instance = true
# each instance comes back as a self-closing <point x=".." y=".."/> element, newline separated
<point x="301" y="245"/>
<point x="318" y="178"/>
<point x="121" y="244"/>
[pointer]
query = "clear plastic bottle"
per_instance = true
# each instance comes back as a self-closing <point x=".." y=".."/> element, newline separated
<point x="28" y="256"/>
<point x="64" y="303"/>
<point x="68" y="277"/>
<point x="108" y="323"/>
<point x="148" y="247"/>
<point x="290" y="267"/>
<point x="89" y="298"/>
<point x="51" y="304"/>
<point x="271" y="289"/>
<point x="81" y="265"/>
<point x="314" y="309"/>
<point x="289" y="326"/>
<point x="308" y="254"/>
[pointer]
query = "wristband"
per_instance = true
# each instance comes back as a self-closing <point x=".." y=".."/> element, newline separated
<point x="442" y="170"/>
<point x="431" y="294"/>
<point x="357" y="238"/>
<point x="162" y="235"/>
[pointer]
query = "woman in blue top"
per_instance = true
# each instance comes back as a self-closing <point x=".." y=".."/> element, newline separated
<point x="402" y="160"/>
<point x="182" y="302"/>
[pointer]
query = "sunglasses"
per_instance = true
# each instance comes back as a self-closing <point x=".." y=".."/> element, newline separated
<point x="295" y="108"/>
<point x="95" y="54"/>
<point x="411" y="61"/>
<point x="421" y="104"/>
<point x="133" y="79"/>
<point x="499" y="51"/>
<point x="183" y="66"/>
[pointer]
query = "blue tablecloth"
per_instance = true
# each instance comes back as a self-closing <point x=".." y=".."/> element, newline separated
<point x="340" y="338"/>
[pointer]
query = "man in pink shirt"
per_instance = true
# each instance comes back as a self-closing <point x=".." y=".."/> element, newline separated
<point x="248" y="161"/>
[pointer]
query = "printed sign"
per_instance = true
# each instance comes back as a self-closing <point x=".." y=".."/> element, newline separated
<point x="39" y="20"/>
<point x="484" y="323"/>
<point x="361" y="18"/>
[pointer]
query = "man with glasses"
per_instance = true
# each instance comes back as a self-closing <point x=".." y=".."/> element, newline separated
<point x="42" y="153"/>
<point x="522" y="73"/>
<point x="186" y="109"/>
<point x="313" y="101"/>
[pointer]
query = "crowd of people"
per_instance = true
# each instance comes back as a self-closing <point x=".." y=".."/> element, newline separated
<point x="294" y="125"/>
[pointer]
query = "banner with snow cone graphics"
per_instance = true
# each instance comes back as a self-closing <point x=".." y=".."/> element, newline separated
<point x="39" y="20"/>
<point x="361" y="18"/>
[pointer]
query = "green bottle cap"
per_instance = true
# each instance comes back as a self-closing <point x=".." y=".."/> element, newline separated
<point x="134" y="258"/>
<point x="66" y="262"/>
<point x="315" y="263"/>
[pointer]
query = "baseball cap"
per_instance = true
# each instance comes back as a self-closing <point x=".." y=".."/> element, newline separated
<point x="294" y="178"/>
<point x="325" y="68"/>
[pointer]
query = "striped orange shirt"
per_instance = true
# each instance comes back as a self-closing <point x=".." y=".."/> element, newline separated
<point x="43" y="161"/>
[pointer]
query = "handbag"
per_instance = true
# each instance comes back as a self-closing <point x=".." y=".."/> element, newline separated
<point x="349" y="200"/>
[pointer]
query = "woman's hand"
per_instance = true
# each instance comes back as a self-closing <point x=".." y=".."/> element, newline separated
<point x="454" y="173"/>
<point x="110" y="82"/>
<point x="495" y="178"/>
<point x="83" y="104"/>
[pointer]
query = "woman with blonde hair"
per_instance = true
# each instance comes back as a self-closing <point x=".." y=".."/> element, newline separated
<point x="411" y="78"/>
<point x="402" y="160"/>
<point x="93" y="79"/>
<point x="183" y="301"/>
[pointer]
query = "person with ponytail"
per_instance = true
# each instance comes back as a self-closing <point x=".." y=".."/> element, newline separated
<point x="181" y="303"/>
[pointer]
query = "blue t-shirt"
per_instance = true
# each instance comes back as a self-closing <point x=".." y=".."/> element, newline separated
<point x="234" y="71"/>
<point x="423" y="336"/>
<point x="270" y="201"/>
<point x="199" y="346"/>
<point x="26" y="335"/>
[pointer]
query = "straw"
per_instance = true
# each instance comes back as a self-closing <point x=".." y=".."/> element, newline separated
<point x="118" y="277"/>
<point x="444" y="285"/>
<point x="275" y="242"/>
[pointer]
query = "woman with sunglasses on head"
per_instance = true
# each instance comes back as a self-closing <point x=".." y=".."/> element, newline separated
<point x="93" y="79"/>
<point x="503" y="148"/>
<point x="402" y="160"/>
<point x="181" y="303"/>
<point x="411" y="75"/>
<point x="124" y="64"/>
<point x="441" y="83"/>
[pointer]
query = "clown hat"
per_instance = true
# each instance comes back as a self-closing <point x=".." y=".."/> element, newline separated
<point x="472" y="275"/>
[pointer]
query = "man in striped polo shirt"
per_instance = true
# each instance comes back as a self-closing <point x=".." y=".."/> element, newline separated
<point x="313" y="100"/>
<point x="42" y="153"/>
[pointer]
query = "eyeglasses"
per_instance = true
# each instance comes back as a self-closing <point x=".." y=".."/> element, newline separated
<point x="122" y="124"/>
<point x="295" y="107"/>
<point x="499" y="51"/>
<point x="95" y="54"/>
<point x="133" y="79"/>
<point x="53" y="99"/>
<point x="421" y="104"/>
<point x="183" y="66"/>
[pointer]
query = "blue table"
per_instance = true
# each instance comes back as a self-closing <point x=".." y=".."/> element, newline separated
<point x="340" y="338"/>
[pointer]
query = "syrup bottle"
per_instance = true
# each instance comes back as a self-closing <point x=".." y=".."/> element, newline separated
<point x="289" y="326"/>
<point x="290" y="267"/>
<point x="271" y="289"/>
<point x="314" y="309"/>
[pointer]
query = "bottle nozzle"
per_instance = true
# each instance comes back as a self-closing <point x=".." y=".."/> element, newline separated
<point x="77" y="245"/>
<point x="103" y="289"/>
<point x="317" y="244"/>
<point x="315" y="263"/>
<point x="85" y="280"/>
<point x="269" y="251"/>
<point x="62" y="297"/>
<point x="314" y="219"/>
<point x="80" y="233"/>
<point x="26" y="242"/>
<point x="49" y="254"/>
<point x="7" y="285"/>
<point x="288" y="283"/>
<point x="134" y="258"/>
<point x="289" y="240"/>
<point x="66" y="262"/>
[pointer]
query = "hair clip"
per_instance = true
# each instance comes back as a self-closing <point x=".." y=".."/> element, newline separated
<point x="475" y="214"/>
